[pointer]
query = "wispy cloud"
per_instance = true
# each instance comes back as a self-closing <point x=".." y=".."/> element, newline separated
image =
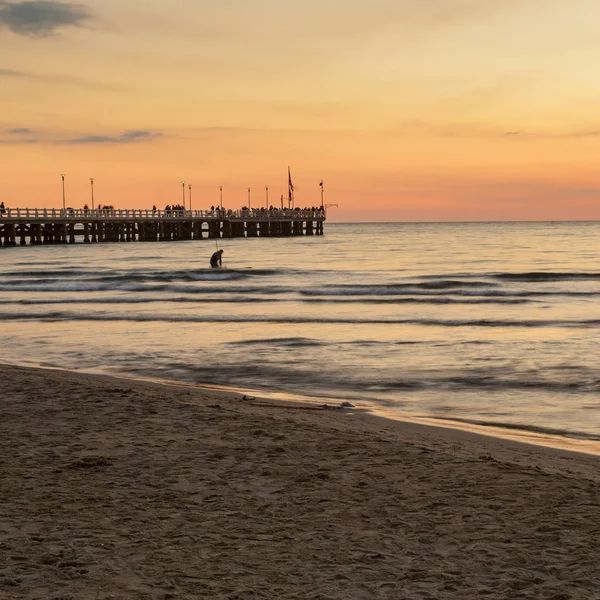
<point x="17" y="136"/>
<point x="553" y="135"/>
<point x="13" y="73"/>
<point x="13" y="141"/>
<point x="41" y="18"/>
<point x="24" y="136"/>
<point x="127" y="137"/>
<point x="56" y="79"/>
<point x="483" y="130"/>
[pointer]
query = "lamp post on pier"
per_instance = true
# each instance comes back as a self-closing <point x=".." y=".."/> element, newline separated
<point x="63" y="190"/>
<point x="190" y="190"/>
<point x="221" y="196"/>
<point x="92" y="186"/>
<point x="267" y="196"/>
<point x="248" y="197"/>
<point x="183" y="192"/>
<point x="321" y="186"/>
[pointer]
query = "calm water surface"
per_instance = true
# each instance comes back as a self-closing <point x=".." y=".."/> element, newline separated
<point x="494" y="324"/>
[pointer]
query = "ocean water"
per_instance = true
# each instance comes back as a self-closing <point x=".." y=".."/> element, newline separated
<point x="495" y="325"/>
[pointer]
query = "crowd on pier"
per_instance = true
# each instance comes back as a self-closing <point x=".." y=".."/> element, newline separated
<point x="219" y="211"/>
<point x="246" y="211"/>
<point x="175" y="210"/>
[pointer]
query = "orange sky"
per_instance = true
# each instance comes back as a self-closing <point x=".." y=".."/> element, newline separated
<point x="409" y="110"/>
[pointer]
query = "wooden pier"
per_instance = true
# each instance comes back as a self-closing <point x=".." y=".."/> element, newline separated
<point x="22" y="226"/>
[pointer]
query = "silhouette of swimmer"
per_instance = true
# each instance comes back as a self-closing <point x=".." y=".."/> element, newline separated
<point x="216" y="259"/>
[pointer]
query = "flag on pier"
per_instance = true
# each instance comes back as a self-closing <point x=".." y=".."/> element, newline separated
<point x="290" y="190"/>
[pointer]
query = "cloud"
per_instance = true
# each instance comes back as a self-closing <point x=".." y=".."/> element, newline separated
<point x="15" y="142"/>
<point x="554" y="135"/>
<point x="56" y="79"/>
<point x="485" y="131"/>
<point x="13" y="73"/>
<point x="41" y="18"/>
<point x="125" y="138"/>
<point x="18" y="136"/>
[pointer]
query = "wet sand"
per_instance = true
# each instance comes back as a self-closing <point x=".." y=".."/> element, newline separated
<point x="133" y="490"/>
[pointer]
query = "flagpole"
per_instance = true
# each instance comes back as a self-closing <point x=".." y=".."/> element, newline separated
<point x="290" y="189"/>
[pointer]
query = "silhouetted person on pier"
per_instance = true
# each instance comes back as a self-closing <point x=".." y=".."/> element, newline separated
<point x="2" y="208"/>
<point x="153" y="209"/>
<point x="216" y="259"/>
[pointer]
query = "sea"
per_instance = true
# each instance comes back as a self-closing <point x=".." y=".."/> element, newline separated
<point x="493" y="327"/>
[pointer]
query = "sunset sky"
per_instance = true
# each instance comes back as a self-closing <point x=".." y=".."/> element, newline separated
<point x="409" y="110"/>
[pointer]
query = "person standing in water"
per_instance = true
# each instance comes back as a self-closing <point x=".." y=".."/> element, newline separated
<point x="216" y="259"/>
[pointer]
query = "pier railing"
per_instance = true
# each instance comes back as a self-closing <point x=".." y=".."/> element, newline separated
<point x="67" y="225"/>
<point x="75" y="214"/>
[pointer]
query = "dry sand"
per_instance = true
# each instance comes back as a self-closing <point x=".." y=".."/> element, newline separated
<point x="130" y="490"/>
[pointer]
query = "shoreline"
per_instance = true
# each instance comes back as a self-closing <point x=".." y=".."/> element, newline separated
<point x="138" y="490"/>
<point x="517" y="435"/>
<point x="437" y="427"/>
<point x="368" y="416"/>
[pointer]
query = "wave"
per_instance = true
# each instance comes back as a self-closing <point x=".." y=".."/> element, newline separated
<point x="434" y="290"/>
<point x="292" y="342"/>
<point x="516" y="383"/>
<point x="396" y="290"/>
<point x="541" y="276"/>
<point x="417" y="300"/>
<point x="144" y="318"/>
<point x="255" y="374"/>
<point x="48" y="273"/>
<point x="301" y="341"/>
<point x="230" y="297"/>
<point x="522" y="427"/>
<point x="137" y="300"/>
<point x="525" y="276"/>
<point x="190" y="275"/>
<point x="474" y="382"/>
<point x="448" y="284"/>
<point x="68" y="287"/>
<point x="118" y="280"/>
<point x="427" y="282"/>
<point x="377" y="295"/>
<point x="140" y="275"/>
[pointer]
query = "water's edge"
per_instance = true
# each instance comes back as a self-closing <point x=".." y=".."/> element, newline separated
<point x="526" y="437"/>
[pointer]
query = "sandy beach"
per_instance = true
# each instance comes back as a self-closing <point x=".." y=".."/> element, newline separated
<point x="133" y="490"/>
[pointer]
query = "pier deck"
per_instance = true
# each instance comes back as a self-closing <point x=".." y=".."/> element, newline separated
<point x="69" y="226"/>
